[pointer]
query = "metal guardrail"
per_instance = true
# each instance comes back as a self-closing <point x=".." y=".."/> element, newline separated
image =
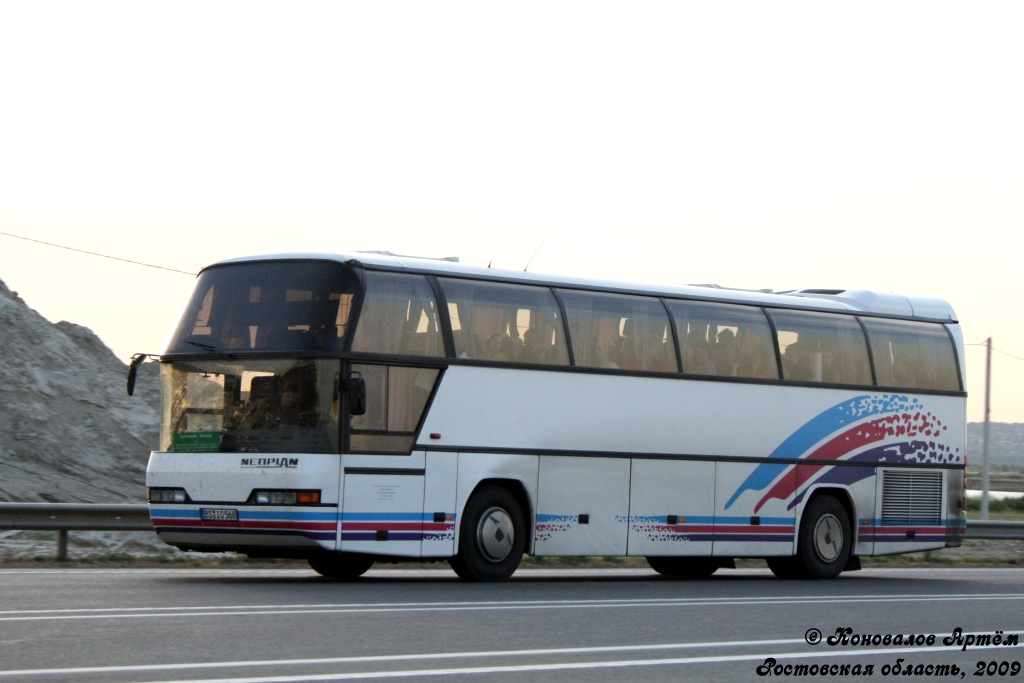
<point x="987" y="529"/>
<point x="65" y="517"/>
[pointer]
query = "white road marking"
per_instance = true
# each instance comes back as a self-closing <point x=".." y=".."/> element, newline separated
<point x="565" y="666"/>
<point x="466" y="606"/>
<point x="400" y="658"/>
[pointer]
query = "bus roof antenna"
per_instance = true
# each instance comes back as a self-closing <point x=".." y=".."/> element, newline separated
<point x="535" y="253"/>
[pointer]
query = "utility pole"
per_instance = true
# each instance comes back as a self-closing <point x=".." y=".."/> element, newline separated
<point x="984" y="443"/>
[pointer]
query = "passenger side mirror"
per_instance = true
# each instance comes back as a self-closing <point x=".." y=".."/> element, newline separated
<point x="355" y="392"/>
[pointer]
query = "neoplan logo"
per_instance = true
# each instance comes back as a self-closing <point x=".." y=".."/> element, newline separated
<point x="270" y="462"/>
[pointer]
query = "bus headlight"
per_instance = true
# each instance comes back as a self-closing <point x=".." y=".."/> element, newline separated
<point x="285" y="497"/>
<point x="168" y="496"/>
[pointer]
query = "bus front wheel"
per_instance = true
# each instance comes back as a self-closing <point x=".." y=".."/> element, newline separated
<point x="341" y="566"/>
<point x="492" y="537"/>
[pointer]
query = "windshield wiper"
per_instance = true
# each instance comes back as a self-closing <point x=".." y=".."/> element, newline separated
<point x="204" y="347"/>
<point x="210" y="348"/>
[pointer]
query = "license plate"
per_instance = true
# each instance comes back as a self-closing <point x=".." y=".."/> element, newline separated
<point x="219" y="515"/>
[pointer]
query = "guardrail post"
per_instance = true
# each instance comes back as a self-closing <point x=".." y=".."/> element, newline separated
<point x="62" y="545"/>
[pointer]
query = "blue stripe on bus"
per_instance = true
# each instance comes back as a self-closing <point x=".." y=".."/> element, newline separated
<point x="392" y="516"/>
<point x="392" y="536"/>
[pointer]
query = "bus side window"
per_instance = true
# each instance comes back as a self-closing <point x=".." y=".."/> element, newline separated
<point x="399" y="316"/>
<point x="505" y="323"/>
<point x="724" y="339"/>
<point x="615" y="331"/>
<point x="912" y="355"/>
<point x="396" y="397"/>
<point x="822" y="347"/>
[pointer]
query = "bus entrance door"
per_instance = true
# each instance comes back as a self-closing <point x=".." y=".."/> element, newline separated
<point x="382" y="511"/>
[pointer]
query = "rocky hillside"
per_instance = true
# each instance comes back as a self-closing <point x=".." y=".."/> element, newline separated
<point x="68" y="431"/>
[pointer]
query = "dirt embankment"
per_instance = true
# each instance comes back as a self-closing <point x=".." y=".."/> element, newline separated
<point x="68" y="431"/>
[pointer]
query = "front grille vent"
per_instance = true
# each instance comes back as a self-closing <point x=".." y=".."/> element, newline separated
<point x="911" y="498"/>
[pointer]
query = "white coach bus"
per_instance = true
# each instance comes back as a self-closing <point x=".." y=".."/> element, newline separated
<point x="365" y="407"/>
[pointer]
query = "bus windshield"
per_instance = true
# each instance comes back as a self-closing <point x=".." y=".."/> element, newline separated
<point x="267" y="306"/>
<point x="253" y="406"/>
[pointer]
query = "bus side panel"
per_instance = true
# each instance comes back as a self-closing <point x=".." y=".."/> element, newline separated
<point x="671" y="507"/>
<point x="473" y="468"/>
<point x="750" y="525"/>
<point x="439" y="517"/>
<point x="850" y="484"/>
<point x="582" y="506"/>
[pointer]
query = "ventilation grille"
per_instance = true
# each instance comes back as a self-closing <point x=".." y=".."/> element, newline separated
<point x="911" y="498"/>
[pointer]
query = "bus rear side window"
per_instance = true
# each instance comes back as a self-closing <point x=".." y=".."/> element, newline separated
<point x="720" y="339"/>
<point x="624" y="332"/>
<point x="822" y="347"/>
<point x="505" y="323"/>
<point x="912" y="355"/>
<point x="399" y="317"/>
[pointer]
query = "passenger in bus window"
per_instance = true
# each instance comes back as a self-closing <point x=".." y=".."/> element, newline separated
<point x="608" y="342"/>
<point x="796" y="363"/>
<point x="536" y="346"/>
<point x="725" y="353"/>
<point x="496" y="347"/>
<point x="540" y="342"/>
<point x="660" y="349"/>
<point x="702" y="363"/>
<point x="752" y="358"/>
<point x="831" y="358"/>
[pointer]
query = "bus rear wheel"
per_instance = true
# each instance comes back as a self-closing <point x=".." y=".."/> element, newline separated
<point x="684" y="567"/>
<point x="823" y="545"/>
<point x="492" y="537"/>
<point x="341" y="566"/>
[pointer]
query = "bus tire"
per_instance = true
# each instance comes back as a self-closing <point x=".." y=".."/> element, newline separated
<point x="825" y="540"/>
<point x="684" y="567"/>
<point x="492" y="537"/>
<point x="341" y="566"/>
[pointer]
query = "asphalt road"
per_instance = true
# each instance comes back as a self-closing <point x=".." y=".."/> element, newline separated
<point x="227" y="624"/>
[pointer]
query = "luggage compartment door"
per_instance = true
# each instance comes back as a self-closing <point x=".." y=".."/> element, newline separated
<point x="671" y="508"/>
<point x="582" y="506"/>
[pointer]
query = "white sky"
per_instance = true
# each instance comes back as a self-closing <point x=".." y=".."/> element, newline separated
<point x="783" y="145"/>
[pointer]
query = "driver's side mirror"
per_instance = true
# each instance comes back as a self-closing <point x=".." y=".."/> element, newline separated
<point x="355" y="393"/>
<point x="133" y="370"/>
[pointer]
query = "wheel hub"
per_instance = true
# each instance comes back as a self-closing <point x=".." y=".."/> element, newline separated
<point x="828" y="538"/>
<point x="495" y="534"/>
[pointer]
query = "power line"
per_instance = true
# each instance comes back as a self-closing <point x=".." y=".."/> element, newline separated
<point x="103" y="244"/>
<point x="93" y="253"/>
<point x="997" y="351"/>
<point x="1007" y="354"/>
